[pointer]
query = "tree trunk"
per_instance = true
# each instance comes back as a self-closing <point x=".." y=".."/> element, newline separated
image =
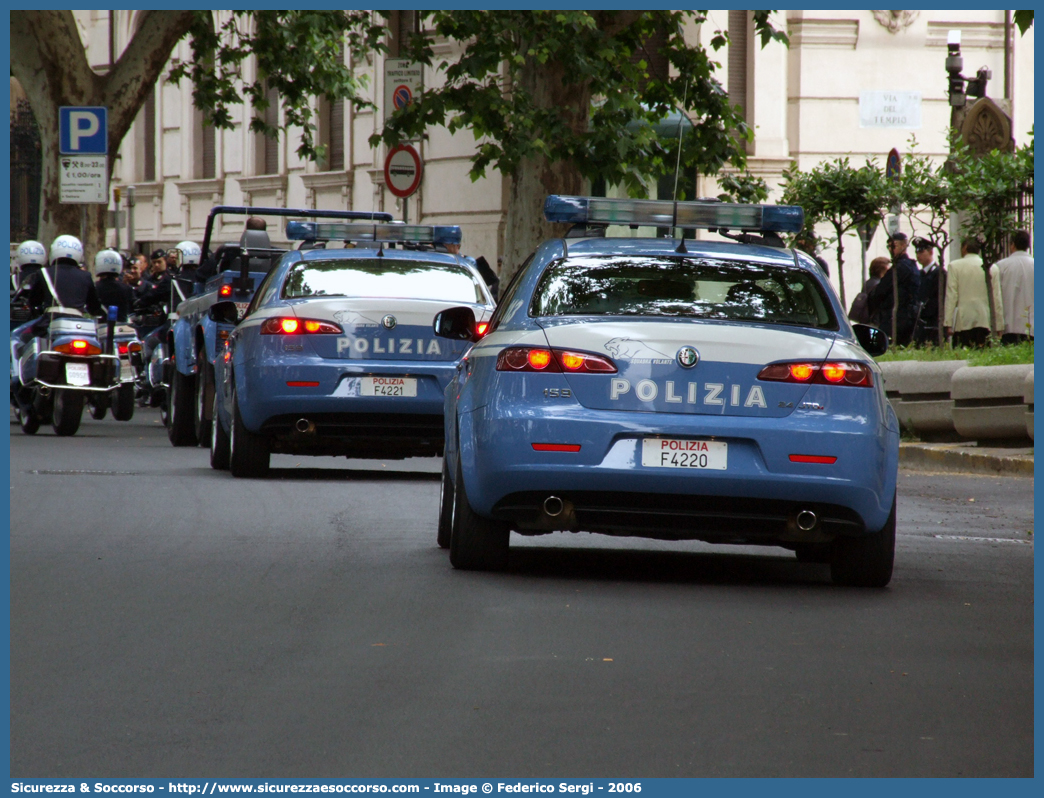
<point x="49" y="60"/>
<point x="536" y="177"/>
<point x="841" y="266"/>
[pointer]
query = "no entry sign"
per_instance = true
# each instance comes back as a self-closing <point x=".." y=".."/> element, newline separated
<point x="402" y="171"/>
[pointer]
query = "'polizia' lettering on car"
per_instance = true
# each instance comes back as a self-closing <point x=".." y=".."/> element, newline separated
<point x="705" y="389"/>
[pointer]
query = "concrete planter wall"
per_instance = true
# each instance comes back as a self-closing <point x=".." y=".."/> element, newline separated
<point x="890" y="372"/>
<point x="924" y="396"/>
<point x="989" y="401"/>
<point x="1027" y="397"/>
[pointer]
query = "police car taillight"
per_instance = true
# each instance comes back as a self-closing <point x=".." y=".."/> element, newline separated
<point x="78" y="347"/>
<point x="481" y="327"/>
<point x="527" y="358"/>
<point x="282" y="325"/>
<point x="225" y="290"/>
<point x="830" y="373"/>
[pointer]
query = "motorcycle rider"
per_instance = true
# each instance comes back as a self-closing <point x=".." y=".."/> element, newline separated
<point x="111" y="291"/>
<point x="64" y="284"/>
<point x="30" y="258"/>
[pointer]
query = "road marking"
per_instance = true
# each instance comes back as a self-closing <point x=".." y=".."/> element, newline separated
<point x="984" y="540"/>
<point x="75" y="472"/>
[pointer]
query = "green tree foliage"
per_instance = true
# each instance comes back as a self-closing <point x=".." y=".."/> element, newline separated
<point x="845" y="197"/>
<point x="550" y="98"/>
<point x="299" y="54"/>
<point x="742" y="187"/>
<point x="1023" y="19"/>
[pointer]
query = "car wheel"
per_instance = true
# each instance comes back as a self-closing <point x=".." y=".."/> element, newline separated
<point x="181" y="428"/>
<point x="813" y="552"/>
<point x="68" y="410"/>
<point x="123" y="407"/>
<point x="28" y="420"/>
<point x="248" y="451"/>
<point x="220" y="446"/>
<point x="204" y="399"/>
<point x="866" y="560"/>
<point x="476" y="543"/>
<point x="445" y="508"/>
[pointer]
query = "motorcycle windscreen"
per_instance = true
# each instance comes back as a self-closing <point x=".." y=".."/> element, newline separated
<point x="686" y="334"/>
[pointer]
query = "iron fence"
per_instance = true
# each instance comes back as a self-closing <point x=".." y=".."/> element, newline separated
<point x="26" y="166"/>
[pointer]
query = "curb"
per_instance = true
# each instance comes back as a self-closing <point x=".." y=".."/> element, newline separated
<point x="957" y="459"/>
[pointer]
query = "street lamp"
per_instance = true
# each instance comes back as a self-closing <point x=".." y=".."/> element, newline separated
<point x="976" y="87"/>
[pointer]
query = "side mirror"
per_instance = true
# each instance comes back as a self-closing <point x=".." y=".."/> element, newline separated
<point x="457" y="324"/>
<point x="873" y="340"/>
<point x="224" y="313"/>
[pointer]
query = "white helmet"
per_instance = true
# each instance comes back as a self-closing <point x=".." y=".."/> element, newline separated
<point x="108" y="261"/>
<point x="190" y="253"/>
<point x="67" y="247"/>
<point x="31" y="252"/>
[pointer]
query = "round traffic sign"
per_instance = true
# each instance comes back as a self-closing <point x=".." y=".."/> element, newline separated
<point x="401" y="97"/>
<point x="402" y="171"/>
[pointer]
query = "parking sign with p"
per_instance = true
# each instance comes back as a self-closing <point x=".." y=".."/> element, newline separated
<point x="83" y="130"/>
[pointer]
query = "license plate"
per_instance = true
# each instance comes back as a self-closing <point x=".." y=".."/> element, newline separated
<point x="241" y="307"/>
<point x="681" y="453"/>
<point x="388" y="386"/>
<point x="77" y="374"/>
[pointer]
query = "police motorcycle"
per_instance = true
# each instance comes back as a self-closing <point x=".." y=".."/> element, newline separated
<point x="55" y="372"/>
<point x="124" y="345"/>
<point x="231" y="273"/>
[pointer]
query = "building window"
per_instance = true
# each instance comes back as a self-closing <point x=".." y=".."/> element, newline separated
<point x="331" y="130"/>
<point x="208" y="145"/>
<point x="149" y="148"/>
<point x="738" y="61"/>
<point x="267" y="149"/>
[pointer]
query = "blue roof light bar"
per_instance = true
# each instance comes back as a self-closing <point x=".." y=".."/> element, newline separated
<point x="664" y="213"/>
<point x="406" y="233"/>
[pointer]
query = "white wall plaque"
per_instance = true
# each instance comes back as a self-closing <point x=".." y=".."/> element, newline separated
<point x="890" y="109"/>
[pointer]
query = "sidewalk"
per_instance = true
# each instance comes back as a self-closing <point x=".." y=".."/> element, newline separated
<point x="966" y="458"/>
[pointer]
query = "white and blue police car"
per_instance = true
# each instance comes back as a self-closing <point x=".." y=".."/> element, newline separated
<point x="335" y="354"/>
<point x="671" y="388"/>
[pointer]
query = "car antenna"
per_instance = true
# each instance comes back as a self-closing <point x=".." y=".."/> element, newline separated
<point x="677" y="165"/>
<point x="380" y="247"/>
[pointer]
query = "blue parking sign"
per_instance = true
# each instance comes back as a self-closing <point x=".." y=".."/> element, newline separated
<point x="83" y="130"/>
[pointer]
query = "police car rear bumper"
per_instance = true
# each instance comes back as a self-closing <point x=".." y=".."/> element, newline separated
<point x="755" y="498"/>
<point x="272" y="393"/>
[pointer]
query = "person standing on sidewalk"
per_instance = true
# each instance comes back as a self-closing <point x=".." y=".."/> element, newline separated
<point x="897" y="294"/>
<point x="967" y="309"/>
<point x="858" y="312"/>
<point x="927" y="330"/>
<point x="1016" y="284"/>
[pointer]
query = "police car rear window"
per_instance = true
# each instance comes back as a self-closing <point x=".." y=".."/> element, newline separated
<point x="695" y="287"/>
<point x="384" y="278"/>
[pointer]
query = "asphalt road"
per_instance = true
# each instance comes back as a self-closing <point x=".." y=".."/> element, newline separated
<point x="171" y="621"/>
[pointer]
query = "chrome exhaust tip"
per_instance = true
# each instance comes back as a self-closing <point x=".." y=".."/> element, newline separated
<point x="806" y="520"/>
<point x="553" y="506"/>
<point x="304" y="426"/>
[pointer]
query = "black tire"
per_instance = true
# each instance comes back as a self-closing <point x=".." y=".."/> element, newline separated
<point x="28" y="420"/>
<point x="476" y="543"/>
<point x="181" y="428"/>
<point x="99" y="406"/>
<point x="220" y="445"/>
<point x="123" y="406"/>
<point x="67" y="413"/>
<point x="813" y="552"/>
<point x="248" y="451"/>
<point x="865" y="561"/>
<point x="445" y="509"/>
<point x="204" y="398"/>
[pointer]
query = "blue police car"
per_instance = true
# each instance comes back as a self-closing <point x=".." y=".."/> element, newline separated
<point x="335" y="354"/>
<point x="673" y="389"/>
<point x="231" y="272"/>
